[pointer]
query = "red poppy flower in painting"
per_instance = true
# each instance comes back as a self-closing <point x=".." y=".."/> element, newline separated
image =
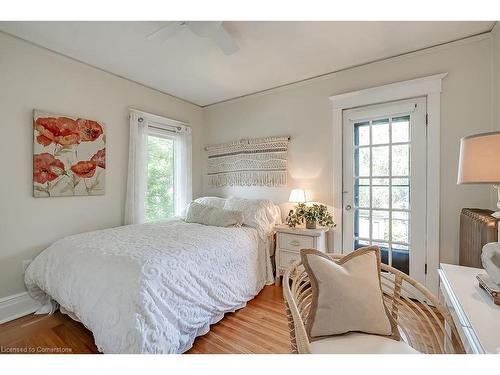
<point x="60" y="130"/>
<point x="88" y="130"/>
<point x="46" y="168"/>
<point x="84" y="169"/>
<point x="99" y="158"/>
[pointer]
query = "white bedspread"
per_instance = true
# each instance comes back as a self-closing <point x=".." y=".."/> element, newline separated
<point x="151" y="288"/>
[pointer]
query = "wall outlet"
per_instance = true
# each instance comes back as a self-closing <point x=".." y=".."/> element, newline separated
<point x="26" y="263"/>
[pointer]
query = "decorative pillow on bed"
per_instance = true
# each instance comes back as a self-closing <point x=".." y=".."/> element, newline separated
<point x="261" y="214"/>
<point x="347" y="294"/>
<point x="212" y="201"/>
<point x="214" y="216"/>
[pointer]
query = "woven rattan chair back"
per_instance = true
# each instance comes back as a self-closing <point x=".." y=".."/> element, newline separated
<point x="424" y="323"/>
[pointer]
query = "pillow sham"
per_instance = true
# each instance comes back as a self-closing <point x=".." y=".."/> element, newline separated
<point x="347" y="294"/>
<point x="212" y="201"/>
<point x="214" y="216"/>
<point x="260" y="214"/>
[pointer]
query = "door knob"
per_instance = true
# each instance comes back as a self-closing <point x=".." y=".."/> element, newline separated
<point x="348" y="207"/>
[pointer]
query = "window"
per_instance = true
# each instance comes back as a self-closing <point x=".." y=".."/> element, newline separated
<point x="160" y="199"/>
<point x="159" y="171"/>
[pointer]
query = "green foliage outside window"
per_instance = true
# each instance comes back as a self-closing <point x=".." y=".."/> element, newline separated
<point x="160" y="189"/>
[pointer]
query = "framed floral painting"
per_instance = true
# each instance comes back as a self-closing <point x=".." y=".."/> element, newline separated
<point x="69" y="156"/>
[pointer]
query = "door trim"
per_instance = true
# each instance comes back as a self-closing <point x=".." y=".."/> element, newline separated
<point x="429" y="87"/>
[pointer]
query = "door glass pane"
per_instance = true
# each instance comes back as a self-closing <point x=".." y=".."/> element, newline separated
<point x="362" y="193"/>
<point x="401" y="129"/>
<point x="401" y="258"/>
<point x="400" y="226"/>
<point x="400" y="194"/>
<point x="401" y="160"/>
<point x="362" y="134"/>
<point x="380" y="163"/>
<point x="362" y="224"/>
<point x="380" y="197"/>
<point x="364" y="181"/>
<point x="380" y="181"/>
<point x="362" y="161"/>
<point x="380" y="225"/>
<point x="160" y="188"/>
<point x="380" y="132"/>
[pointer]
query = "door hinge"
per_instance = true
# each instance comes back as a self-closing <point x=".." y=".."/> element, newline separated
<point x="425" y="269"/>
<point x="426" y="119"/>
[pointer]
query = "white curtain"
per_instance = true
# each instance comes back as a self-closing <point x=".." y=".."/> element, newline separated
<point x="137" y="170"/>
<point x="183" y="154"/>
<point x="138" y="165"/>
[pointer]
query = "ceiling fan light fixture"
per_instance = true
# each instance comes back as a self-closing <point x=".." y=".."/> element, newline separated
<point x="214" y="30"/>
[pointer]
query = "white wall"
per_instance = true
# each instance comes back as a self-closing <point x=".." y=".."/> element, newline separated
<point x="304" y="112"/>
<point x="495" y="45"/>
<point x="32" y="77"/>
<point x="496" y="74"/>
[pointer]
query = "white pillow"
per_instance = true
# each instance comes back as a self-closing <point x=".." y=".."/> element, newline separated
<point x="347" y="294"/>
<point x="214" y="216"/>
<point x="260" y="214"/>
<point x="212" y="201"/>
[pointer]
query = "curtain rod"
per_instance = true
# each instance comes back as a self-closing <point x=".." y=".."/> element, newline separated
<point x="164" y="128"/>
<point x="152" y="116"/>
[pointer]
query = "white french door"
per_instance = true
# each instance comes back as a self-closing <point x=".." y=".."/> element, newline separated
<point x="384" y="182"/>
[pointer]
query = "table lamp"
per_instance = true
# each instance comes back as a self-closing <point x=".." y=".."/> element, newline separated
<point x="480" y="161"/>
<point x="298" y="196"/>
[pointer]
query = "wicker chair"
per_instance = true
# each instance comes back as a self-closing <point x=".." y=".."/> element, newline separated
<point x="420" y="316"/>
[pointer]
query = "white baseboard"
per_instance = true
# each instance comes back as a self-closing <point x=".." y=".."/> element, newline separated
<point x="16" y="306"/>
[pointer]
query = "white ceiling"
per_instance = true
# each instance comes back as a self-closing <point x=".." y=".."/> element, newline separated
<point x="271" y="53"/>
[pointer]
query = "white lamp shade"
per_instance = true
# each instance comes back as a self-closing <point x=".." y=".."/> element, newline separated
<point x="479" y="159"/>
<point x="298" y="196"/>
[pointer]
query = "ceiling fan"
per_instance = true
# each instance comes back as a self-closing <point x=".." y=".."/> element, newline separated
<point x="206" y="29"/>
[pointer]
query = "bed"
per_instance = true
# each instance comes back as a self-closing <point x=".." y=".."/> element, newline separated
<point x="152" y="288"/>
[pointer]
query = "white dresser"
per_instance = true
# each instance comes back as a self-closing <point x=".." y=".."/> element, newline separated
<point x="289" y="242"/>
<point x="476" y="316"/>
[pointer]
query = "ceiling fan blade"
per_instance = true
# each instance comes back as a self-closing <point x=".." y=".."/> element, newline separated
<point x="165" y="32"/>
<point x="204" y="29"/>
<point x="225" y="41"/>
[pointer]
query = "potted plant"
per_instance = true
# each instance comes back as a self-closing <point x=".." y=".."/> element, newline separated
<point x="312" y="215"/>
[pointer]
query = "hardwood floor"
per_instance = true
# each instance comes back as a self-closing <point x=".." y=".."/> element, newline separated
<point x="260" y="327"/>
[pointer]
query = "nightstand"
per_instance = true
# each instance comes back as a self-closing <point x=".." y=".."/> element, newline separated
<point x="289" y="242"/>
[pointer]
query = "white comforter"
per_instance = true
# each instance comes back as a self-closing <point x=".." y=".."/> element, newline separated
<point x="151" y="288"/>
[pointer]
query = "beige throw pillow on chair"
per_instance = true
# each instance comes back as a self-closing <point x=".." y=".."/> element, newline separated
<point x="347" y="295"/>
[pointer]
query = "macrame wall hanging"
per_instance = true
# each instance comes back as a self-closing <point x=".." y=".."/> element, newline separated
<point x="249" y="162"/>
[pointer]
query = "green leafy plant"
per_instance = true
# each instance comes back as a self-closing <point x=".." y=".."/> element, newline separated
<point x="316" y="213"/>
